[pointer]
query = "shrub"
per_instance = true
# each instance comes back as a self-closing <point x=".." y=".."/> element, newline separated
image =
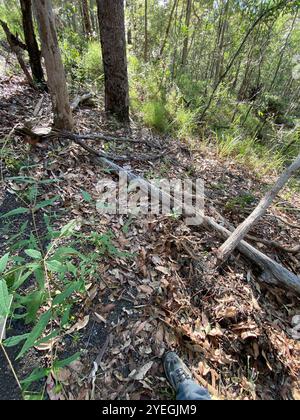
<point x="91" y="66"/>
<point x="155" y="116"/>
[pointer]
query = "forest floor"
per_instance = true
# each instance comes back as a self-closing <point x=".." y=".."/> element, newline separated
<point x="233" y="331"/>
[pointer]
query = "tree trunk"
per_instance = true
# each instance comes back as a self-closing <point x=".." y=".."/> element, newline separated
<point x="86" y="18"/>
<point x="146" y="32"/>
<point x="168" y="28"/>
<point x="113" y="42"/>
<point x="187" y="28"/>
<point x="31" y="43"/>
<point x="55" y="70"/>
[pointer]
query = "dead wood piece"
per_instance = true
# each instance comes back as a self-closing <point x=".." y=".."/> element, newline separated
<point x="273" y="273"/>
<point x="292" y="225"/>
<point x="116" y="158"/>
<point x="105" y="138"/>
<point x="80" y="99"/>
<point x="274" y="244"/>
<point x="228" y="247"/>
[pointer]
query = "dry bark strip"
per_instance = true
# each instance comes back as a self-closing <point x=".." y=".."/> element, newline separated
<point x="232" y="242"/>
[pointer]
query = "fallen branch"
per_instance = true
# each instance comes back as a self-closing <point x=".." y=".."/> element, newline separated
<point x="292" y="225"/>
<point x="228" y="247"/>
<point x="79" y="100"/>
<point x="102" y="137"/>
<point x="274" y="244"/>
<point x="47" y="133"/>
<point x="117" y="158"/>
<point x="273" y="273"/>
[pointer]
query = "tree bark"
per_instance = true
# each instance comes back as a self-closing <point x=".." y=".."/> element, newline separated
<point x="31" y="43"/>
<point x="187" y="27"/>
<point x="228" y="247"/>
<point x="113" y="42"/>
<point x="55" y="70"/>
<point x="146" y="32"/>
<point x="168" y="29"/>
<point x="86" y="18"/>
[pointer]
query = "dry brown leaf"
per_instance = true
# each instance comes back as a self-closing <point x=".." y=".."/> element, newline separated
<point x="77" y="366"/>
<point x="145" y="289"/>
<point x="80" y="325"/>
<point x="162" y="269"/>
<point x="62" y="375"/>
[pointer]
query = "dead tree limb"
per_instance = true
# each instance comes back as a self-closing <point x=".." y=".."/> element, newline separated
<point x="272" y="272"/>
<point x="228" y="247"/>
<point x="79" y="100"/>
<point x="116" y="158"/>
<point x="274" y="244"/>
<point x="292" y="225"/>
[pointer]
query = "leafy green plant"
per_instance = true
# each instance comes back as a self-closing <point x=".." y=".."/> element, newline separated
<point x="155" y="116"/>
<point x="241" y="202"/>
<point x="91" y="66"/>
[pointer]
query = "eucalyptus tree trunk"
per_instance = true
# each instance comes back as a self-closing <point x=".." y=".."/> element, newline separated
<point x="55" y="70"/>
<point x="187" y="28"/>
<point x="146" y="32"/>
<point x="220" y="43"/>
<point x="86" y="18"/>
<point x="31" y="43"/>
<point x="175" y="3"/>
<point x="113" y="42"/>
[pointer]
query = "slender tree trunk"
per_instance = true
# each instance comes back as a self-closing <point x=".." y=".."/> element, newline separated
<point x="283" y="51"/>
<point x="220" y="45"/>
<point x="55" y="71"/>
<point x="146" y="32"/>
<point x="86" y="18"/>
<point x="31" y="43"/>
<point x="168" y="29"/>
<point x="187" y="28"/>
<point x="264" y="14"/>
<point x="113" y="42"/>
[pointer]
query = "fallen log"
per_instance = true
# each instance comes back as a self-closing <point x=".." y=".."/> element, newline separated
<point x="41" y="134"/>
<point x="274" y="244"/>
<point x="235" y="238"/>
<point x="272" y="272"/>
